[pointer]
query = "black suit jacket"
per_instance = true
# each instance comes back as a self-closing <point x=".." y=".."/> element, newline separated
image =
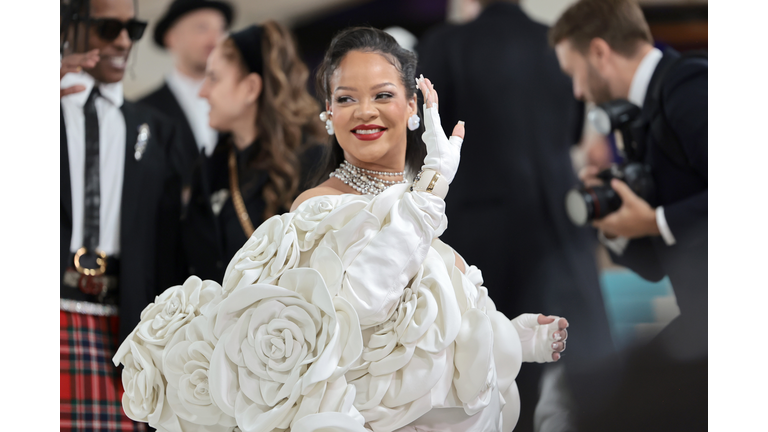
<point x="662" y="385"/>
<point x="683" y="192"/>
<point x="506" y="204"/>
<point x="149" y="211"/>
<point x="164" y="101"/>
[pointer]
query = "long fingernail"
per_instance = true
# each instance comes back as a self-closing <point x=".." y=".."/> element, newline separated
<point x="461" y="122"/>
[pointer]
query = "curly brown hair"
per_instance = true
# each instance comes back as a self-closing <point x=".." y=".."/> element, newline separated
<point x="286" y="113"/>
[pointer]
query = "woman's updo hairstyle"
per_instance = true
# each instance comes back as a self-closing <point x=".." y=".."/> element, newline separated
<point x="370" y="40"/>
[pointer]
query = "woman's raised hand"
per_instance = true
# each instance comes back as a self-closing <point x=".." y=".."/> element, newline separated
<point x="443" y="153"/>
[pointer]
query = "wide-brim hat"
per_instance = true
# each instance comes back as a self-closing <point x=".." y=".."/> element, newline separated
<point x="180" y="8"/>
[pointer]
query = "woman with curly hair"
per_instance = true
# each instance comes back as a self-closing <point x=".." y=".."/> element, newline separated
<point x="256" y="85"/>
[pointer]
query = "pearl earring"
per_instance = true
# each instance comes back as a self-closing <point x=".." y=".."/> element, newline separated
<point x="326" y="117"/>
<point x="413" y="122"/>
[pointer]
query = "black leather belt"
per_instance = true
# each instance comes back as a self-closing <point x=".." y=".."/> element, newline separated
<point x="95" y="282"/>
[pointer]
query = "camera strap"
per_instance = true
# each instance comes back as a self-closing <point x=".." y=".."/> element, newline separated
<point x="660" y="130"/>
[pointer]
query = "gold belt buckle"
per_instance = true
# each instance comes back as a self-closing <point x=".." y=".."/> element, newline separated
<point x="101" y="260"/>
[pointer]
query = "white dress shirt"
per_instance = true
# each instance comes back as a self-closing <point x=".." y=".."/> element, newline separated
<point x="637" y="91"/>
<point x="195" y="108"/>
<point x="111" y="158"/>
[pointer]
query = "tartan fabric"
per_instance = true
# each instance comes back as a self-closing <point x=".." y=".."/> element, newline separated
<point x="91" y="387"/>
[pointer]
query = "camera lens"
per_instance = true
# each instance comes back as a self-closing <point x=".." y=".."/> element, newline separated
<point x="600" y="120"/>
<point x="588" y="204"/>
<point x="576" y="206"/>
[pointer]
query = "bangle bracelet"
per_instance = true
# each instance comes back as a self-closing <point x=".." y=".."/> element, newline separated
<point x="429" y="180"/>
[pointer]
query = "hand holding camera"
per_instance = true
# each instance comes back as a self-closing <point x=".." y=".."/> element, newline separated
<point x="635" y="218"/>
<point x="616" y="200"/>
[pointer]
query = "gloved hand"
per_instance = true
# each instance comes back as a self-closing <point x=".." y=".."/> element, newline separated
<point x="542" y="338"/>
<point x="442" y="152"/>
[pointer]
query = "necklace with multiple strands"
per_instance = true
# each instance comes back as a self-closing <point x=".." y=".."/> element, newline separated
<point x="363" y="180"/>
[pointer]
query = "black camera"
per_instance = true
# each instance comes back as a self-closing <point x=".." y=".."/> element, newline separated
<point x="585" y="204"/>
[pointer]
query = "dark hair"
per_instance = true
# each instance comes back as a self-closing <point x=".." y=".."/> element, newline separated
<point x="370" y="40"/>
<point x="286" y="113"/>
<point x="72" y="14"/>
<point x="619" y="22"/>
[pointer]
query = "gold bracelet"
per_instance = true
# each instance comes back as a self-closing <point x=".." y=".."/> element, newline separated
<point x="429" y="180"/>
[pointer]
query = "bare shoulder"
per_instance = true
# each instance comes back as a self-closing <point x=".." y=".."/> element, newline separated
<point x="321" y="190"/>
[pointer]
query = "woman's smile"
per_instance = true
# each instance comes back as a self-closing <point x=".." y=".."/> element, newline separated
<point x="368" y="132"/>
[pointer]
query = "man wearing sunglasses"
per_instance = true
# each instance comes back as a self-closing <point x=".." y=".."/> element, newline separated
<point x="120" y="201"/>
<point x="189" y="30"/>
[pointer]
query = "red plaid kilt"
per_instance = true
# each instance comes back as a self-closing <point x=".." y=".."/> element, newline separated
<point x="91" y="387"/>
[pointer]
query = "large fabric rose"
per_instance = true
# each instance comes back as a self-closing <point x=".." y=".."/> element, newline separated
<point x="282" y="352"/>
<point x="270" y="250"/>
<point x="142" y="351"/>
<point x="408" y="359"/>
<point x="144" y="396"/>
<point x="317" y="216"/>
<point x="186" y="364"/>
<point x="173" y="309"/>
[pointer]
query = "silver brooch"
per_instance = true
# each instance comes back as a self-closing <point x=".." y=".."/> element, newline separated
<point x="141" y="141"/>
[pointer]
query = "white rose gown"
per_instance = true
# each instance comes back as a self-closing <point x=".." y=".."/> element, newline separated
<point x="346" y="314"/>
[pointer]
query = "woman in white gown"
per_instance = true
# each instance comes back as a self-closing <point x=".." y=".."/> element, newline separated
<point x="348" y="313"/>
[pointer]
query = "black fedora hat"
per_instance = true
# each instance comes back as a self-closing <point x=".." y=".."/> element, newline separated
<point x="182" y="7"/>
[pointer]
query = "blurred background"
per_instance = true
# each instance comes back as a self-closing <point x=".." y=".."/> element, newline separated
<point x="637" y="309"/>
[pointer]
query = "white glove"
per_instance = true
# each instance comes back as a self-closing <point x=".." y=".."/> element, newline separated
<point x="537" y="339"/>
<point x="442" y="152"/>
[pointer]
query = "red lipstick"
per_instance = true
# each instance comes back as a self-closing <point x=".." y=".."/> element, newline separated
<point x="368" y="132"/>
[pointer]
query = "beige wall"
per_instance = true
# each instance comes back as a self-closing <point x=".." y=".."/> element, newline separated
<point x="148" y="63"/>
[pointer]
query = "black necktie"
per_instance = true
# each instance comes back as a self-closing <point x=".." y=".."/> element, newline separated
<point x="92" y="187"/>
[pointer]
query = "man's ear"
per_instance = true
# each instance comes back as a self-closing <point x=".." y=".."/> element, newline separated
<point x="599" y="53"/>
<point x="253" y="86"/>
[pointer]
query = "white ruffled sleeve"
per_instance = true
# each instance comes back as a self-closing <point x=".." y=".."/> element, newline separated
<point x="382" y="247"/>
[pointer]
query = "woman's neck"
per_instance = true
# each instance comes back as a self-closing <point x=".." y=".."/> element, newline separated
<point x="244" y="134"/>
<point x="381" y="165"/>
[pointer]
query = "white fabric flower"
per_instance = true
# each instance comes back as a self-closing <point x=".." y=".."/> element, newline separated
<point x="320" y="215"/>
<point x="270" y="250"/>
<point x="408" y="359"/>
<point x="280" y="348"/>
<point x="186" y="364"/>
<point x="173" y="309"/>
<point x="144" y="396"/>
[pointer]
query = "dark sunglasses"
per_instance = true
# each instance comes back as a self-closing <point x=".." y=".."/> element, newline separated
<point x="109" y="28"/>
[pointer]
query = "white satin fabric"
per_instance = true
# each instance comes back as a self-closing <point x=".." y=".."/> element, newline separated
<point x="432" y="339"/>
<point x="347" y="314"/>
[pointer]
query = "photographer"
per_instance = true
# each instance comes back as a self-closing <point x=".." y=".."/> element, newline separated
<point x="607" y="49"/>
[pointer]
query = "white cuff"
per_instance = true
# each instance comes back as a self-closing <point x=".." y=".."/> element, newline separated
<point x="661" y="222"/>
<point x="617" y="245"/>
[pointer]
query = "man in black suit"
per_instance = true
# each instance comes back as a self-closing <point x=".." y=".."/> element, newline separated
<point x="607" y="48"/>
<point x="506" y="209"/>
<point x="120" y="208"/>
<point x="189" y="30"/>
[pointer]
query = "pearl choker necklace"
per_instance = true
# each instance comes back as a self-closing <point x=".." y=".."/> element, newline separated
<point x="356" y="178"/>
